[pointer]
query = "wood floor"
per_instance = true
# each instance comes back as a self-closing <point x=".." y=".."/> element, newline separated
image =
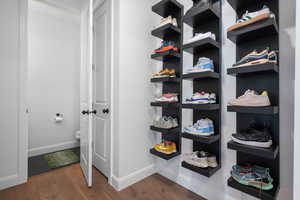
<point x="68" y="184"/>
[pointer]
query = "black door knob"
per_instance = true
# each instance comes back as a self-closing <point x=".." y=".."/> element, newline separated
<point x="94" y="112"/>
<point x="85" y="112"/>
<point x="105" y="111"/>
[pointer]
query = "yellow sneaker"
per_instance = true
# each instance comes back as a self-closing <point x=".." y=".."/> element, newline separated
<point x="166" y="147"/>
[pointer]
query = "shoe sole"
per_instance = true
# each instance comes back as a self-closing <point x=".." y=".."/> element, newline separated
<point x="253" y="143"/>
<point x="251" y="21"/>
<point x="256" y="185"/>
<point x="199" y="134"/>
<point x="201" y="70"/>
<point x="252" y="63"/>
<point x="168" y="153"/>
<point x="196" y="164"/>
<point x="250" y="105"/>
<point x="168" y="48"/>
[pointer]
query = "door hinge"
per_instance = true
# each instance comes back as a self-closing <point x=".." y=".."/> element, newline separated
<point x="27" y="111"/>
<point x="93" y="67"/>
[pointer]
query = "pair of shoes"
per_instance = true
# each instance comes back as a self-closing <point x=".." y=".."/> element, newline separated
<point x="203" y="127"/>
<point x="166" y="147"/>
<point x="201" y="159"/>
<point x="201" y="98"/>
<point x="166" y="122"/>
<point x="255" y="58"/>
<point x="252" y="17"/>
<point x="168" y="20"/>
<point x="203" y="65"/>
<point x="169" y="97"/>
<point x="254" y="135"/>
<point x="165" y="73"/>
<point x="167" y="46"/>
<point x="255" y="176"/>
<point x="201" y="36"/>
<point x="252" y="99"/>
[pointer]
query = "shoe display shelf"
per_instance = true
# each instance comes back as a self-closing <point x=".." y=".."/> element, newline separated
<point x="257" y="36"/>
<point x="206" y="18"/>
<point x="169" y="60"/>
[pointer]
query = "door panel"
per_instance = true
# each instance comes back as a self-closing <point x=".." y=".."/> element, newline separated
<point x="101" y="157"/>
<point x="86" y="92"/>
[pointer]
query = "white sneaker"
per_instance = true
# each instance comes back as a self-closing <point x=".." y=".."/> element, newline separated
<point x="252" y="99"/>
<point x="167" y="20"/>
<point x="201" y="36"/>
<point x="198" y="159"/>
<point x="212" y="161"/>
<point x="167" y="98"/>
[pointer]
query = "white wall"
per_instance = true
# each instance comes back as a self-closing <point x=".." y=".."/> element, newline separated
<point x="296" y="171"/>
<point x="13" y="61"/>
<point x="53" y="76"/>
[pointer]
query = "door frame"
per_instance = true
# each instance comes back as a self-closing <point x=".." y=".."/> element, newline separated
<point x="110" y="5"/>
<point x="23" y="98"/>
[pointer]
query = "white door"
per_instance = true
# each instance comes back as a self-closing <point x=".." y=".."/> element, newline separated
<point x="101" y="131"/>
<point x="86" y="92"/>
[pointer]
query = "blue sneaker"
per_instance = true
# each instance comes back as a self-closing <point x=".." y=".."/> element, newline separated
<point x="254" y="176"/>
<point x="203" y="127"/>
<point x="203" y="65"/>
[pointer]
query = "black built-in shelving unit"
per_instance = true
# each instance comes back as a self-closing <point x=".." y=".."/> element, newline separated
<point x="261" y="77"/>
<point x="206" y="19"/>
<point x="170" y="60"/>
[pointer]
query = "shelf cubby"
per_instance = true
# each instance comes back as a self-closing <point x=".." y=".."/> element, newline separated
<point x="200" y="45"/>
<point x="166" y="31"/>
<point x="201" y="15"/>
<point x="164" y="156"/>
<point x="264" y="77"/>
<point x="263" y="28"/>
<point x="261" y="194"/>
<point x="164" y="131"/>
<point x="202" y="139"/>
<point x="170" y="60"/>
<point x="267" y="110"/>
<point x="165" y="79"/>
<point x="168" y="55"/>
<point x="208" y="172"/>
<point x="199" y="75"/>
<point x="268" y="153"/>
<point x="201" y="106"/>
<point x="254" y="69"/>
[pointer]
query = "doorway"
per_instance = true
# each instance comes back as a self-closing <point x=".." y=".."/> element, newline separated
<point x="69" y="83"/>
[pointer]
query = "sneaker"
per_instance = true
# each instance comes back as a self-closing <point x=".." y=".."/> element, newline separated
<point x="198" y="159"/>
<point x="201" y="98"/>
<point x="201" y="36"/>
<point x="166" y="147"/>
<point x="203" y="127"/>
<point x="252" y="17"/>
<point x="255" y="176"/>
<point x="170" y="97"/>
<point x="166" y="46"/>
<point x="165" y="73"/>
<point x="255" y="58"/>
<point x="168" y="20"/>
<point x="252" y="99"/>
<point x="212" y="161"/>
<point x="203" y="65"/>
<point x="166" y="122"/>
<point x="254" y="136"/>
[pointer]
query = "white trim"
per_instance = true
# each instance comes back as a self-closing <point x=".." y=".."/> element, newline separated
<point x="53" y="148"/>
<point x="9" y="181"/>
<point x="124" y="182"/>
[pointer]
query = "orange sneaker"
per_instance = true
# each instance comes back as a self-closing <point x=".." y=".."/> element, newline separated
<point x="166" y="46"/>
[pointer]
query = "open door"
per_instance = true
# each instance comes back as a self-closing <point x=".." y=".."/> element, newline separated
<point x="86" y="92"/>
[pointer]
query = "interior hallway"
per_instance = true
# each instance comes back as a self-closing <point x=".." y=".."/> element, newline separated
<point x="68" y="184"/>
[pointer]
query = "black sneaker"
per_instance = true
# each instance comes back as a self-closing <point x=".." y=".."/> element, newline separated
<point x="254" y="136"/>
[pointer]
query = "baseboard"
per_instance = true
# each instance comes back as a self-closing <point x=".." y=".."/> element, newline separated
<point x="52" y="148"/>
<point x="10" y="181"/>
<point x="123" y="182"/>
